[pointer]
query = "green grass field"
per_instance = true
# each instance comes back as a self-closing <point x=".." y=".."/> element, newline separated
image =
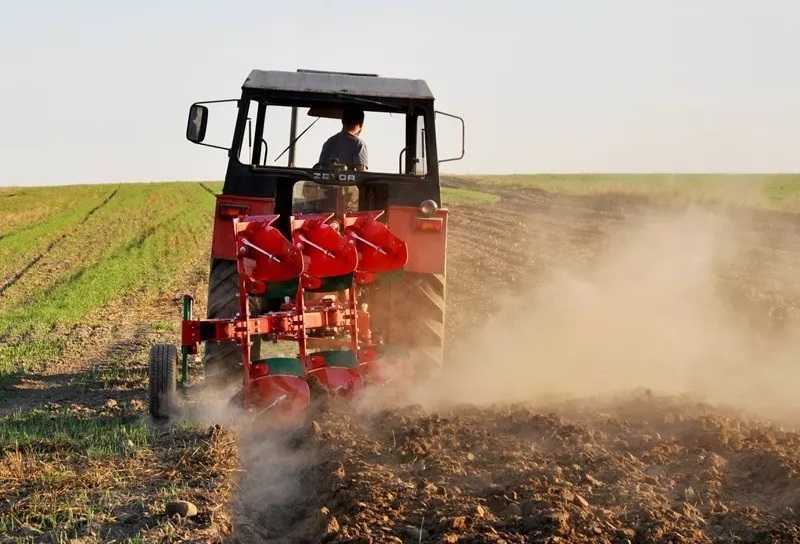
<point x="86" y="248"/>
<point x="76" y="262"/>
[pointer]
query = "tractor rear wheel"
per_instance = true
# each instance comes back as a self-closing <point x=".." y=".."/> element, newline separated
<point x="162" y="388"/>
<point x="428" y="337"/>
<point x="222" y="360"/>
<point x="417" y="320"/>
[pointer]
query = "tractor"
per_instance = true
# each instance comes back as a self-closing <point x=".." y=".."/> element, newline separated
<point x="346" y="267"/>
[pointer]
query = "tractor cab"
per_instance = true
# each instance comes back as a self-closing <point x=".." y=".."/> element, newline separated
<point x="283" y="118"/>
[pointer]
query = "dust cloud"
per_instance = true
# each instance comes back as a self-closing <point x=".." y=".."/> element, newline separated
<point x="273" y="491"/>
<point x="271" y="499"/>
<point x="651" y="311"/>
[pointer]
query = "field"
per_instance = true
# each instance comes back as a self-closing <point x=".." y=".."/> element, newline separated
<point x="623" y="355"/>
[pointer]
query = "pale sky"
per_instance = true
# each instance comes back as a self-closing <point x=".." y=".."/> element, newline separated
<point x="94" y="91"/>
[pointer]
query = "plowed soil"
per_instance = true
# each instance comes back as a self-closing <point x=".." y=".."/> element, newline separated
<point x="644" y="470"/>
<point x="634" y="466"/>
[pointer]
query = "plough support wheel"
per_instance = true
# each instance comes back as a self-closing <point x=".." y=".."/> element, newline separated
<point x="163" y="386"/>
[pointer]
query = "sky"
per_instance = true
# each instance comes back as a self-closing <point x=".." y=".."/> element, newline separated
<point x="98" y="91"/>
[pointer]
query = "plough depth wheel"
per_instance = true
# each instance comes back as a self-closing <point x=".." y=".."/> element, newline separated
<point x="163" y="386"/>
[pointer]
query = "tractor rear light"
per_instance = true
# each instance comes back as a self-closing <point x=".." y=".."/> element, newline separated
<point x="428" y="207"/>
<point x="230" y="211"/>
<point x="428" y="224"/>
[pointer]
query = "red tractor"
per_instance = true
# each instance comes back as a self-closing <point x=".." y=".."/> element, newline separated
<point x="342" y="267"/>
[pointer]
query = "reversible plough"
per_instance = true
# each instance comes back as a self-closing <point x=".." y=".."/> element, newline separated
<point x="317" y="273"/>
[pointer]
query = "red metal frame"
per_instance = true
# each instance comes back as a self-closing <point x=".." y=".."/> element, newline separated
<point x="316" y="253"/>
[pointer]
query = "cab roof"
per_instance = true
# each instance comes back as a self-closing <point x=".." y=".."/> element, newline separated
<point x="337" y="83"/>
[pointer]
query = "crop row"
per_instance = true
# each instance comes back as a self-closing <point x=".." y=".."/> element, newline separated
<point x="135" y="242"/>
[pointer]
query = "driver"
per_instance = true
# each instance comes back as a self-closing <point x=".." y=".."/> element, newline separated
<point x="346" y="147"/>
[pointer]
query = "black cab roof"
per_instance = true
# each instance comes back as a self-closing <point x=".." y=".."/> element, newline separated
<point x="337" y="83"/>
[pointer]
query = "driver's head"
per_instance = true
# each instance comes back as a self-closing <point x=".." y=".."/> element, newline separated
<point x="353" y="120"/>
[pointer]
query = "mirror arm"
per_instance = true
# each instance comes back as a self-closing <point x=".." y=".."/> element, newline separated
<point x="203" y="102"/>
<point x="463" y="132"/>
<point x="212" y="145"/>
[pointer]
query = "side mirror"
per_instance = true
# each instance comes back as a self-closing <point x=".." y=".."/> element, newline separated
<point x="198" y="121"/>
<point x="463" y="132"/>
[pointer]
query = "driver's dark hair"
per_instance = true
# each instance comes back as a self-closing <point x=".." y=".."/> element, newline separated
<point x="352" y="117"/>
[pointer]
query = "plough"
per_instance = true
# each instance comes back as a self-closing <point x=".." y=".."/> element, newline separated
<point x="318" y="273"/>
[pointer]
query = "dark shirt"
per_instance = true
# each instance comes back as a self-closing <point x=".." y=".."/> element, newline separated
<point x="346" y="149"/>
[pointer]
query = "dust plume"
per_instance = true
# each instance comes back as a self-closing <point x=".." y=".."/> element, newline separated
<point x="651" y="311"/>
